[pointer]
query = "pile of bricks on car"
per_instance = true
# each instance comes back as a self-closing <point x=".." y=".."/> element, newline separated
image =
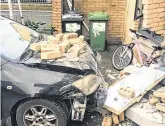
<point x="154" y="15"/>
<point x="62" y="45"/>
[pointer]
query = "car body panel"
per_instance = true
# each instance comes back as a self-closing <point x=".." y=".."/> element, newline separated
<point x="36" y="78"/>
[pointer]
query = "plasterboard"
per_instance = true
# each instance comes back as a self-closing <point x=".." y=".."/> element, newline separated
<point x="140" y="81"/>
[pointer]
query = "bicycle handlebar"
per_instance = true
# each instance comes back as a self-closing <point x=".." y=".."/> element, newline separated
<point x="137" y="34"/>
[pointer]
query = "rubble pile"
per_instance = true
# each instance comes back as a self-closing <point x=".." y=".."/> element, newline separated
<point x="67" y="45"/>
<point x="156" y="99"/>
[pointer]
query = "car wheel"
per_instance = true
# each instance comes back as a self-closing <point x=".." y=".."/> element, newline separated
<point x="41" y="112"/>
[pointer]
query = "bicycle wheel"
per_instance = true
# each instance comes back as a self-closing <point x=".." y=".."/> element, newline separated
<point x="122" y="57"/>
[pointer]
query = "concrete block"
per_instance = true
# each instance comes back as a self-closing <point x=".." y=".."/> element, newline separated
<point x="141" y="116"/>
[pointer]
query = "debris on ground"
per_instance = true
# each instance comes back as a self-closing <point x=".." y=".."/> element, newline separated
<point x="129" y="88"/>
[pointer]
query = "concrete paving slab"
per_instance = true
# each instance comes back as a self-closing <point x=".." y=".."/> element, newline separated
<point x="145" y="116"/>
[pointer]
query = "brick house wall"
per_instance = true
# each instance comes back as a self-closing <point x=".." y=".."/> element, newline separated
<point x="115" y="8"/>
<point x="57" y="14"/>
<point x="121" y="16"/>
<point x="154" y="15"/>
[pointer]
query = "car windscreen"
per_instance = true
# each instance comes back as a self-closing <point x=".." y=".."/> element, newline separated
<point x="15" y="38"/>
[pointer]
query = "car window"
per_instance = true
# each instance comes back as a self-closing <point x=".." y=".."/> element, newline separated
<point x="13" y="41"/>
<point x="23" y="31"/>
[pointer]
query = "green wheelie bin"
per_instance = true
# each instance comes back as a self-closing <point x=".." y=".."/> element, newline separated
<point x="98" y="29"/>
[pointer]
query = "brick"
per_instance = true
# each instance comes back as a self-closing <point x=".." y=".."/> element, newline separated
<point x="107" y="121"/>
<point x="115" y="119"/>
<point x="160" y="107"/>
<point x="70" y="36"/>
<point x="162" y="23"/>
<point x="147" y="23"/>
<point x="74" y="41"/>
<point x="148" y="11"/>
<point x="81" y="37"/>
<point x="148" y="16"/>
<point x="162" y="14"/>
<point x="64" y="46"/>
<point x="163" y="100"/>
<point x="36" y="46"/>
<point x="153" y="100"/>
<point x="154" y="25"/>
<point x="126" y="92"/>
<point x="51" y="55"/>
<point x="160" y="32"/>
<point x="155" y="1"/>
<point x="160" y="1"/>
<point x="59" y="37"/>
<point x="160" y="93"/>
<point x="155" y="15"/>
<point x="159" y="10"/>
<point x="52" y="39"/>
<point x="158" y="28"/>
<point x="151" y="6"/>
<point x="49" y="47"/>
<point x="147" y="1"/>
<point x="162" y="4"/>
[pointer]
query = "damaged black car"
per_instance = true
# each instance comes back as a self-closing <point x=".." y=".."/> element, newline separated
<point x="37" y="92"/>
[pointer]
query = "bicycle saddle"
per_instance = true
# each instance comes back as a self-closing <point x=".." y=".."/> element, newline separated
<point x="151" y="35"/>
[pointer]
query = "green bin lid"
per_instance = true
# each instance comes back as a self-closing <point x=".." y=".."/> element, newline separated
<point x="98" y="16"/>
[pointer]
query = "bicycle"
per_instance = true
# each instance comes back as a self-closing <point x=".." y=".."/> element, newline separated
<point x="123" y="56"/>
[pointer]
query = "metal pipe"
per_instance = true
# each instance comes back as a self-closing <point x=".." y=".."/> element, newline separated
<point x="20" y="11"/>
<point x="10" y="9"/>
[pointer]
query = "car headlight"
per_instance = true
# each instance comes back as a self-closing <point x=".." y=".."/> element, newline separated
<point x="88" y="84"/>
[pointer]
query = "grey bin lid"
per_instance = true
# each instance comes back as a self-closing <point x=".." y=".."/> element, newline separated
<point x="72" y="17"/>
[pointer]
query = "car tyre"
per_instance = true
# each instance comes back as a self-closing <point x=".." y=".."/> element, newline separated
<point x="55" y="107"/>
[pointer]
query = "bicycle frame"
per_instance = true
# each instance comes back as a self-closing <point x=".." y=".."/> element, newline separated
<point x="140" y="50"/>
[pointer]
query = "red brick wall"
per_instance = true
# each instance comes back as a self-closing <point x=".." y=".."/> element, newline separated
<point x="154" y="15"/>
<point x="57" y="12"/>
<point x="121" y="16"/>
<point x="115" y="8"/>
